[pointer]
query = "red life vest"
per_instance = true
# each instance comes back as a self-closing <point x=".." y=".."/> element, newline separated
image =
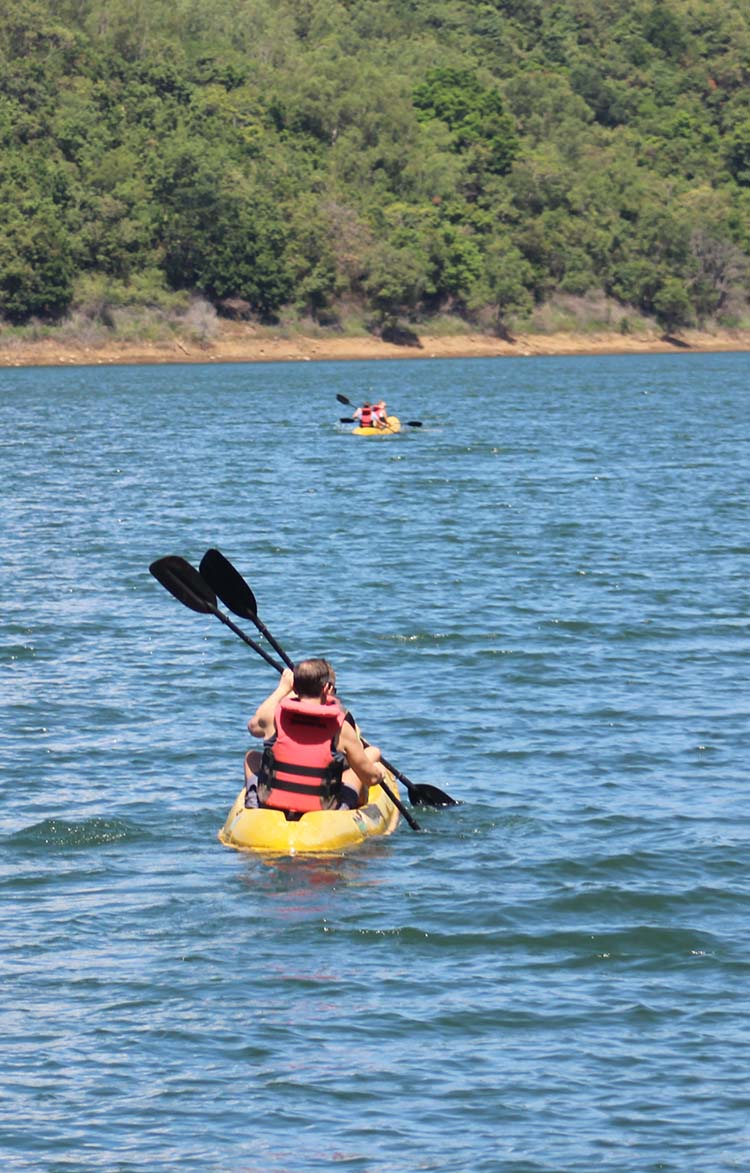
<point x="365" y="420"/>
<point x="299" y="766"/>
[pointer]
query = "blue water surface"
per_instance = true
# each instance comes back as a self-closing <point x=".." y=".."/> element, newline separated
<point x="538" y="602"/>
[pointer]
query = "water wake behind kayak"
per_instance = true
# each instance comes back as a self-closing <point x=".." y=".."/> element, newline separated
<point x="62" y="835"/>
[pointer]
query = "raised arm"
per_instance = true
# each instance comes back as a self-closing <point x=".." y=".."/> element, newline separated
<point x="261" y="723"/>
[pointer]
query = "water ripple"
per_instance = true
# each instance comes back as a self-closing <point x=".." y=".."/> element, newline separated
<point x="537" y="603"/>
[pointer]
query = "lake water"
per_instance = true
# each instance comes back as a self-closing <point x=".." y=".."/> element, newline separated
<point x="538" y="602"/>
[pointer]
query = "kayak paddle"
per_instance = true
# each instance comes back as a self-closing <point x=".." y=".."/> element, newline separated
<point x="235" y="593"/>
<point x="224" y="578"/>
<point x="186" y="584"/>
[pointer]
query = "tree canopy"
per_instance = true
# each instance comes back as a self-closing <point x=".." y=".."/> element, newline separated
<point x="408" y="157"/>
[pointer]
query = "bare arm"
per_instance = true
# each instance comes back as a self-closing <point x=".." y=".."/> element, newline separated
<point x="261" y="723"/>
<point x="368" y="771"/>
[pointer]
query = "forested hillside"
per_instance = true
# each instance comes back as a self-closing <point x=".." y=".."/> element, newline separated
<point x="392" y="159"/>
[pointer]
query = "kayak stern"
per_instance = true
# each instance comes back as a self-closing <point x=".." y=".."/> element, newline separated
<point x="315" y="833"/>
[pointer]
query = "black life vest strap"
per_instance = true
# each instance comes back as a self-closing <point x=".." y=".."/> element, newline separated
<point x="329" y="777"/>
<point x="299" y="787"/>
<point x="304" y="771"/>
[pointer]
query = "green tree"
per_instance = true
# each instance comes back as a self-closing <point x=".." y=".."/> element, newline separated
<point x="475" y="115"/>
<point x="738" y="153"/>
<point x="221" y="233"/>
<point x="396" y="280"/>
<point x="665" y="30"/>
<point x="302" y="152"/>
<point x="509" y="279"/>
<point x="36" y="268"/>
<point x="311" y="259"/>
<point x="673" y="306"/>
<point x="456" y="262"/>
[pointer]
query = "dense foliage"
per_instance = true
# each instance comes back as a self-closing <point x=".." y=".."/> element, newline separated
<point x="406" y="157"/>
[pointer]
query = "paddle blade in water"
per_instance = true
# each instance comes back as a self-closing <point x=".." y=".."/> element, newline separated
<point x="184" y="582"/>
<point x="423" y="794"/>
<point x="420" y="794"/>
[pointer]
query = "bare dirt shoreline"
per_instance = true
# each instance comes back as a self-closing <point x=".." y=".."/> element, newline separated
<point x="237" y="343"/>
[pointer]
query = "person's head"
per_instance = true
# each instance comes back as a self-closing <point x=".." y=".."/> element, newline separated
<point x="366" y="403"/>
<point x="314" y="679"/>
<point x="381" y="405"/>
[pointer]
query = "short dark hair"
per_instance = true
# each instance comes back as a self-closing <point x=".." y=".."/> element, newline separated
<point x="311" y="677"/>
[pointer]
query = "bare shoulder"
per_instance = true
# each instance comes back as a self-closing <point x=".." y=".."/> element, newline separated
<point x="348" y="738"/>
<point x="346" y="733"/>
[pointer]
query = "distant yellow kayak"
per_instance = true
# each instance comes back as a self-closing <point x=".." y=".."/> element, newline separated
<point x="393" y="427"/>
<point x="316" y="832"/>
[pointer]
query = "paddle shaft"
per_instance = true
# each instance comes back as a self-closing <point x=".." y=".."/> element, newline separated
<point x="250" y="642"/>
<point x="274" y="644"/>
<point x="398" y="803"/>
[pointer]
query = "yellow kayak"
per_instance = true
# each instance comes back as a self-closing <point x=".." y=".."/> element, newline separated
<point x="392" y="429"/>
<point x="316" y="832"/>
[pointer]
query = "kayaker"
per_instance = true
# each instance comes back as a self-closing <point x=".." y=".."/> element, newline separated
<point x="312" y="758"/>
<point x="380" y="415"/>
<point x="364" y="415"/>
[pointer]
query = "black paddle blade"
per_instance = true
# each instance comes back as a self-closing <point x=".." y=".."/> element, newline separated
<point x="229" y="584"/>
<point x="422" y="794"/>
<point x="414" y="423"/>
<point x="184" y="582"/>
<point x="342" y="399"/>
<point x="347" y="419"/>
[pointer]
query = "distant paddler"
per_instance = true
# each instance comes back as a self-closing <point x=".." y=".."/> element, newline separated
<point x="373" y="417"/>
<point x="364" y="415"/>
<point x="380" y="414"/>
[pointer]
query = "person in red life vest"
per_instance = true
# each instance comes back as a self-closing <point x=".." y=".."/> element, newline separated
<point x="364" y="415"/>
<point x="312" y="757"/>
